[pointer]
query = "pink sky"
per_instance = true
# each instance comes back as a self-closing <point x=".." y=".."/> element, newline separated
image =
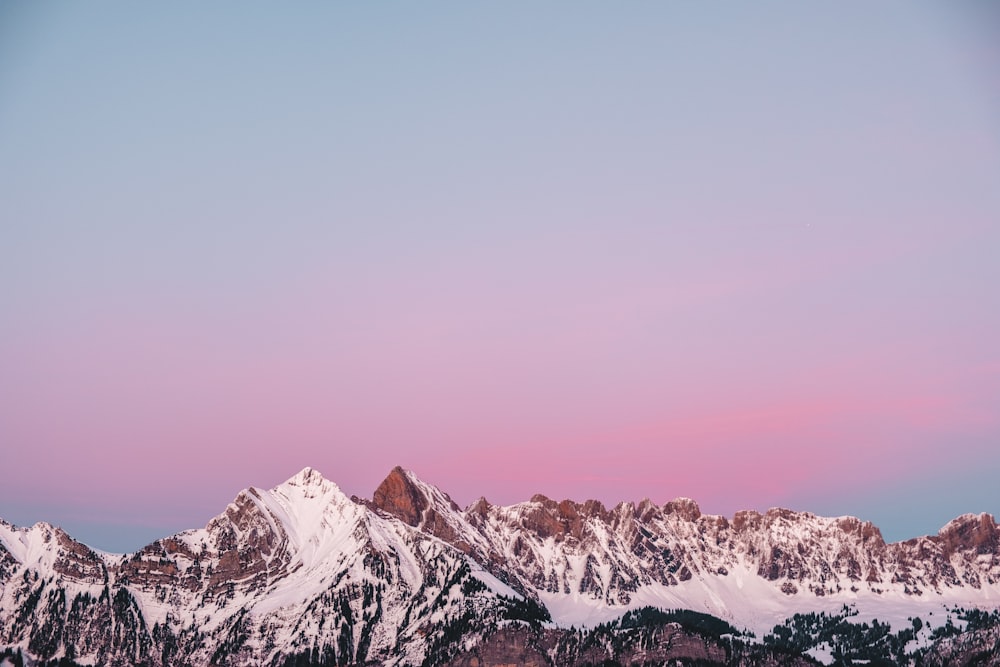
<point x="747" y="259"/>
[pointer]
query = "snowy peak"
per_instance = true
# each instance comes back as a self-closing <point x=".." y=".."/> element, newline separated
<point x="297" y="521"/>
<point x="299" y="508"/>
<point x="308" y="485"/>
<point x="306" y="498"/>
<point x="45" y="545"/>
<point x="300" y="566"/>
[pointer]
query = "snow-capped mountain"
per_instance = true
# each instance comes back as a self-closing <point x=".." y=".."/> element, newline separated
<point x="587" y="563"/>
<point x="302" y="574"/>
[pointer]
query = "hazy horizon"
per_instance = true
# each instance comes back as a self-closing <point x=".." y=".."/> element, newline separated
<point x="130" y="537"/>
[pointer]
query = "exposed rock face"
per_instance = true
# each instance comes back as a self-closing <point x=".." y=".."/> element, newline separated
<point x="980" y="648"/>
<point x="420" y="505"/>
<point x="566" y="547"/>
<point x="971" y="534"/>
<point x="508" y="646"/>
<point x="399" y="496"/>
<point x="685" y="508"/>
<point x="78" y="561"/>
<point x="7" y="563"/>
<point x="669" y="644"/>
<point x="299" y="573"/>
<point x="302" y="573"/>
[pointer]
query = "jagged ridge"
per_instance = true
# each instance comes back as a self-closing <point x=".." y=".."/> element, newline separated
<point x="409" y="577"/>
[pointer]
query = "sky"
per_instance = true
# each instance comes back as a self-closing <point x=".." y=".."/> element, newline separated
<point x="747" y="254"/>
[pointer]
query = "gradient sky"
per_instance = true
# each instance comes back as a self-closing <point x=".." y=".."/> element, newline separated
<point x="748" y="254"/>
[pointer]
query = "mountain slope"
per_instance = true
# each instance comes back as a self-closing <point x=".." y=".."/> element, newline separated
<point x="302" y="574"/>
<point x="299" y="569"/>
<point x="587" y="563"/>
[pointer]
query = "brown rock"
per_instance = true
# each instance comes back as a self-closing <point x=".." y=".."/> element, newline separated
<point x="508" y="647"/>
<point x="683" y="507"/>
<point x="399" y="496"/>
<point x="77" y="561"/>
<point x="746" y="520"/>
<point x="978" y="534"/>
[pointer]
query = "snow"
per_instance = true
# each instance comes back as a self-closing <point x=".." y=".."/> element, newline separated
<point x="386" y="537"/>
<point x="576" y="610"/>
<point x="322" y="539"/>
<point x="749" y="602"/>
<point x="313" y="512"/>
<point x="493" y="583"/>
<point x="30" y="546"/>
<point x="823" y="653"/>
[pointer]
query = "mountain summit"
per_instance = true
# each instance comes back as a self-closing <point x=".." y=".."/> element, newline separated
<point x="302" y="574"/>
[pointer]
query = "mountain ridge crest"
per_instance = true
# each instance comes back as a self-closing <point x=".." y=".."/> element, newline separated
<point x="397" y="571"/>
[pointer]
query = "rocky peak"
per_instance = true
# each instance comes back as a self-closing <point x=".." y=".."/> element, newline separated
<point x="303" y="560"/>
<point x="685" y="508"/>
<point x="78" y="561"/>
<point x="548" y="518"/>
<point x="974" y="532"/>
<point x="866" y="530"/>
<point x="400" y="496"/>
<point x="747" y="521"/>
<point x="783" y="514"/>
<point x="480" y="508"/>
<point x="646" y="509"/>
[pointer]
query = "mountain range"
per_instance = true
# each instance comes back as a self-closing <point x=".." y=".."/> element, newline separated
<point x="302" y="574"/>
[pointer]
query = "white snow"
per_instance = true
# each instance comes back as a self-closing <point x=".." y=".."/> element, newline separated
<point x="321" y="537"/>
<point x="492" y="582"/>
<point x="750" y="603"/>
<point x="31" y="546"/>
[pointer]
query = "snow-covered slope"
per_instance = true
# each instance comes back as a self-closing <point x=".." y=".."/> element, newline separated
<point x="303" y="573"/>
<point x="297" y="570"/>
<point x="588" y="564"/>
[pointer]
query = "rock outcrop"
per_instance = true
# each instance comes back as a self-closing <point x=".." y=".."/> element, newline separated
<point x="301" y="574"/>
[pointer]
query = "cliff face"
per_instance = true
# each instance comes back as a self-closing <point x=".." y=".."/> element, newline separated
<point x="609" y="554"/>
<point x="301" y="574"/>
<point x="297" y="570"/>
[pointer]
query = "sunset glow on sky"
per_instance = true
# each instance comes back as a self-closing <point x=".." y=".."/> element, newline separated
<point x="746" y="255"/>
